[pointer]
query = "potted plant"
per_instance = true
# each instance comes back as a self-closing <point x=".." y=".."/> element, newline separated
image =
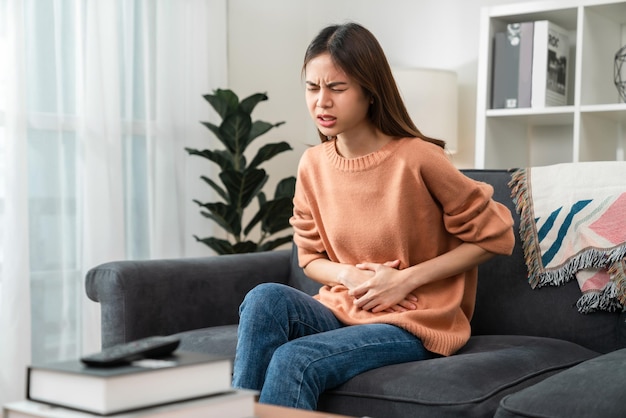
<point x="243" y="181"/>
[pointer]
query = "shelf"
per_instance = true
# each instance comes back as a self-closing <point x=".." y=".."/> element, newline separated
<point x="592" y="126"/>
<point x="557" y="115"/>
<point x="614" y="112"/>
<point x="567" y="17"/>
<point x="613" y="11"/>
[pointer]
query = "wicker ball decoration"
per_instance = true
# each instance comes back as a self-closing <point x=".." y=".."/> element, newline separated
<point x="619" y="63"/>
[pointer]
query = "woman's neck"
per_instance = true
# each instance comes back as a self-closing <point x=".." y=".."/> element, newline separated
<point x="354" y="146"/>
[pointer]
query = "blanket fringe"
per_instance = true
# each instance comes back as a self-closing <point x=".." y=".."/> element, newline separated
<point x="611" y="298"/>
<point x="591" y="258"/>
<point x="617" y="273"/>
<point x="520" y="194"/>
<point x="604" y="300"/>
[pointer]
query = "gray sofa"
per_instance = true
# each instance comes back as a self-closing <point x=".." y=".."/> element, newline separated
<point x="531" y="353"/>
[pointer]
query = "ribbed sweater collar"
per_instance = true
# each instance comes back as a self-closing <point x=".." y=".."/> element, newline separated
<point x="363" y="163"/>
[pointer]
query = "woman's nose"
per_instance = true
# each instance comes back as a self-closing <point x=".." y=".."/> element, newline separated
<point x="323" y="99"/>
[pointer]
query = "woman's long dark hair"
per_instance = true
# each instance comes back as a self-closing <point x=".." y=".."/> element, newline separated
<point x="356" y="51"/>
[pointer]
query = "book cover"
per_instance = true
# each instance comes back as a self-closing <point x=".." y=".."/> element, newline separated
<point x="143" y="383"/>
<point x="550" y="61"/>
<point x="505" y="71"/>
<point x="234" y="404"/>
<point x="524" y="84"/>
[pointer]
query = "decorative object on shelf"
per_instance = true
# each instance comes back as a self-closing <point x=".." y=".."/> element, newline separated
<point x="243" y="181"/>
<point x="618" y="66"/>
<point x="431" y="98"/>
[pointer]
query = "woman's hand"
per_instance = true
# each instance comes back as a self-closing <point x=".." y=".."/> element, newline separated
<point x="382" y="288"/>
<point x="384" y="291"/>
<point x="390" y="288"/>
<point x="352" y="277"/>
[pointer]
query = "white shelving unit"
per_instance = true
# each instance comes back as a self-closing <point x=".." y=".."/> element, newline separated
<point x="592" y="126"/>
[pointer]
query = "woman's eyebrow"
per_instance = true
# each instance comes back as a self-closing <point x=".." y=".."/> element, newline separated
<point x="330" y="85"/>
<point x="336" y="83"/>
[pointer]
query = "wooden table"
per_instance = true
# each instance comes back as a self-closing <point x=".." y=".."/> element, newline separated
<point x="272" y="411"/>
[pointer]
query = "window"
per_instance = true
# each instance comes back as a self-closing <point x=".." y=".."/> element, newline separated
<point x="105" y="163"/>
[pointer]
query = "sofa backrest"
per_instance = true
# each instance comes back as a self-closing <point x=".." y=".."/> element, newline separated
<point x="507" y="305"/>
<point x="298" y="279"/>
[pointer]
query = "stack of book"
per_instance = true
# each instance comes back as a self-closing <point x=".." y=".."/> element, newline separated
<point x="530" y="66"/>
<point x="182" y="385"/>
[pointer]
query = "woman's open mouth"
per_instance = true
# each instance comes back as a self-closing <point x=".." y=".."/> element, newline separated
<point x="326" y="121"/>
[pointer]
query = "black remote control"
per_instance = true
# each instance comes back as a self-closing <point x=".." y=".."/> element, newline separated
<point x="151" y="347"/>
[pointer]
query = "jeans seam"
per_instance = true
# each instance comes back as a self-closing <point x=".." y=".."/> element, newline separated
<point x="311" y="327"/>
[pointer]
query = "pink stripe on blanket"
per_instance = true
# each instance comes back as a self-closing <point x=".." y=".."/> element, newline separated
<point x="595" y="282"/>
<point x="612" y="224"/>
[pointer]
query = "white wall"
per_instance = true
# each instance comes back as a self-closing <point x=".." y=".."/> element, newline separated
<point x="267" y="40"/>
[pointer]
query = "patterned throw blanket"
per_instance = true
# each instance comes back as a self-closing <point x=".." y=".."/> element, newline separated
<point x="573" y="225"/>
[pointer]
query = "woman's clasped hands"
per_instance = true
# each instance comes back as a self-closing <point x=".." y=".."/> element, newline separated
<point x="380" y="287"/>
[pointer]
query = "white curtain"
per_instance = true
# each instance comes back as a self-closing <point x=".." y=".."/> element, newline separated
<point x="97" y="101"/>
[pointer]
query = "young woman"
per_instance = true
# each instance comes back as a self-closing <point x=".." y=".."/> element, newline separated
<point x="383" y="220"/>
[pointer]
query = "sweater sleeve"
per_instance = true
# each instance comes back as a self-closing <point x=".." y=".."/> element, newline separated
<point x="306" y="235"/>
<point x="470" y="213"/>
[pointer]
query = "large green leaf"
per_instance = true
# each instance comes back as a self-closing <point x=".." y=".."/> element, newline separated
<point x="220" y="246"/>
<point x="279" y="211"/>
<point x="261" y="198"/>
<point x="223" y="101"/>
<point x="245" y="247"/>
<point x="216" y="187"/>
<point x="285" y="188"/>
<point x="258" y="217"/>
<point x="249" y="103"/>
<point x="281" y="206"/>
<point x="235" y="130"/>
<point x="224" y="215"/>
<point x="270" y="245"/>
<point x="216" y="131"/>
<point x="269" y="151"/>
<point x="259" y="128"/>
<point x="220" y="157"/>
<point x="274" y="216"/>
<point x="242" y="187"/>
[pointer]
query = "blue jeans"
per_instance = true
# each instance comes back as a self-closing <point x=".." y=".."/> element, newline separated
<point x="292" y="348"/>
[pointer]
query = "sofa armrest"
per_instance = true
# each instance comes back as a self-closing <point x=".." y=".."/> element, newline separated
<point x="162" y="297"/>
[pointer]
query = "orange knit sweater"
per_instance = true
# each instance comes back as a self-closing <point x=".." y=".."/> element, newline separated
<point x="408" y="202"/>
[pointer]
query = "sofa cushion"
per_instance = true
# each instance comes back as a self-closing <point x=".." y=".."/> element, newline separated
<point x="594" y="388"/>
<point x="470" y="383"/>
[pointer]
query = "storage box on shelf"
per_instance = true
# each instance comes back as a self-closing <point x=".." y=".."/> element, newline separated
<point x="591" y="126"/>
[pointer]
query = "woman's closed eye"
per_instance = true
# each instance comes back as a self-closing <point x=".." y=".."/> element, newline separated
<point x="335" y="87"/>
<point x="312" y="87"/>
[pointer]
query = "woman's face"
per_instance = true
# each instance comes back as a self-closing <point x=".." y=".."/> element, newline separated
<point x="337" y="104"/>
